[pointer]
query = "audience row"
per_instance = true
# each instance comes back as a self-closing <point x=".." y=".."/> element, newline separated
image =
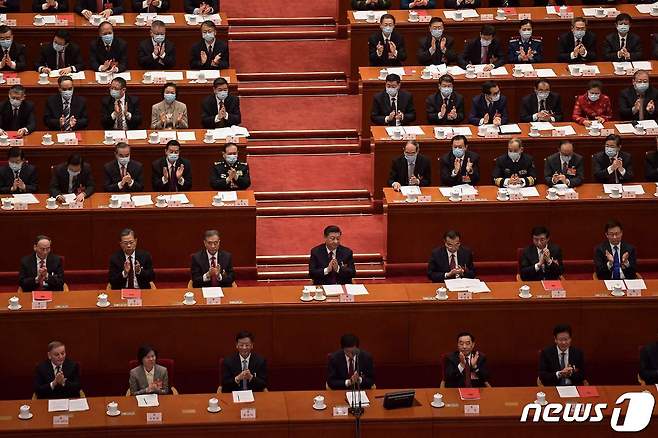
<point x="111" y="7"/>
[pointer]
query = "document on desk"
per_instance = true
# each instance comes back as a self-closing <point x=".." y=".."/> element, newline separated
<point x="591" y="12"/>
<point x="546" y="73"/>
<point x="78" y="404"/>
<point x="231" y="196"/>
<point x="121" y="197"/>
<point x="456" y="70"/>
<point x="178" y="197"/>
<point x="529" y="192"/>
<point x="637" y="284"/>
<point x="414" y="130"/>
<point x="464" y="189"/>
<point x="333" y="290"/>
<point x="351" y="397"/>
<point x="166" y="19"/>
<point x="80" y="75"/>
<point x="410" y="190"/>
<point x="136" y="134"/>
<point x="356" y="289"/>
<point x="363" y="15"/>
<point x="186" y="136"/>
<point x="58" y="405"/>
<point x="243" y="396"/>
<point x="462" y="130"/>
<point x="396" y="70"/>
<point x="142" y="200"/>
<point x="567" y="391"/>
<point x="611" y="284"/>
<point x="466" y="13"/>
<point x="511" y="128"/>
<point x="27" y="198"/>
<point x="567" y="130"/>
<point x="116" y="19"/>
<point x="623" y="65"/>
<point x="542" y="126"/>
<point x="147" y="400"/>
<point x="126" y="75"/>
<point x="499" y="71"/>
<point x="524" y="67"/>
<point x="194" y="74"/>
<point x="115" y="134"/>
<point x="174" y="75"/>
<point x="642" y="65"/>
<point x="649" y="123"/>
<point x="632" y="188"/>
<point x="70" y="197"/>
<point x="212" y="292"/>
<point x="49" y="19"/>
<point x="625" y="128"/>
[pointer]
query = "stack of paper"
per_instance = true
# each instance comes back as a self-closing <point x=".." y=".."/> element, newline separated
<point x="410" y="190"/>
<point x="147" y="400"/>
<point x="465" y="189"/>
<point x="622" y="65"/>
<point x="396" y="70"/>
<point x="166" y="19"/>
<point x="78" y="405"/>
<point x="567" y="391"/>
<point x="406" y="130"/>
<point x="611" y="284"/>
<point x="644" y="9"/>
<point x="456" y="70"/>
<point x="552" y="10"/>
<point x="215" y="18"/>
<point x="212" y="292"/>
<point x="637" y="284"/>
<point x="567" y="130"/>
<point x="27" y="198"/>
<point x="466" y="284"/>
<point x="142" y="200"/>
<point x="167" y="136"/>
<point x="233" y="131"/>
<point x="230" y="196"/>
<point x="115" y="134"/>
<point x="353" y="398"/>
<point x="121" y="197"/>
<point x="58" y="405"/>
<point x="186" y="136"/>
<point x="243" y="396"/>
<point x="356" y="289"/>
<point x="524" y="67"/>
<point x="591" y="12"/>
<point x="529" y="192"/>
<point x="136" y="134"/>
<point x="462" y="130"/>
<point x="51" y="19"/>
<point x="625" y="128"/>
<point x="440" y="69"/>
<point x="363" y="15"/>
<point x="545" y="73"/>
<point x="74" y="75"/>
<point x="512" y="128"/>
<point x="70" y="197"/>
<point x="499" y="71"/>
<point x="178" y="197"/>
<point x="631" y="188"/>
<point x="193" y="75"/>
<point x="649" y="123"/>
<point x="466" y="13"/>
<point x="642" y="65"/>
<point x="542" y="126"/>
<point x="114" y="19"/>
<point x="333" y="290"/>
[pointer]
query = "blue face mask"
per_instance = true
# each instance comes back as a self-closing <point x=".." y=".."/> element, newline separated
<point x="124" y="160"/>
<point x="169" y="97"/>
<point x="208" y="36"/>
<point x="641" y="87"/>
<point x="610" y="151"/>
<point x="116" y="94"/>
<point x="437" y="33"/>
<point x="5" y="44"/>
<point x="387" y="30"/>
<point x="525" y="34"/>
<point x="172" y="157"/>
<point x="579" y="34"/>
<point x="221" y="95"/>
<point x="58" y="47"/>
<point x="392" y="91"/>
<point x="159" y="39"/>
<point x="593" y="96"/>
<point x="231" y="159"/>
<point x="410" y="158"/>
<point x="67" y="94"/>
<point x="108" y="38"/>
<point x="458" y="152"/>
<point x="514" y="156"/>
<point x="446" y="91"/>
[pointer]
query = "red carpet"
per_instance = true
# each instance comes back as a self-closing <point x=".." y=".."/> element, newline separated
<point x="269" y="56"/>
<point x="297" y="235"/>
<point x="280" y="8"/>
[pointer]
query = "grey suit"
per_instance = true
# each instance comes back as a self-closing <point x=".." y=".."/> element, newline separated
<point x="175" y="109"/>
<point x="139" y="384"/>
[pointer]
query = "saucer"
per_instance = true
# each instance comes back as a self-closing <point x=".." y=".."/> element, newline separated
<point x="52" y="208"/>
<point x="11" y="207"/>
<point x="552" y="199"/>
<point x="154" y="142"/>
<point x="189" y="304"/>
<point x="530" y="134"/>
<point x="411" y="200"/>
<point x="217" y="205"/>
<point x="43" y="83"/>
<point x="108" y="142"/>
<point x="107" y="304"/>
<point x="374" y="20"/>
<point x="19" y="307"/>
<point x="502" y="199"/>
<point x="436" y="297"/>
<point x="324" y="297"/>
<point x="30" y="415"/>
<point x="202" y="81"/>
<point x="140" y="24"/>
<point x="653" y="14"/>
<point x="50" y="143"/>
<point x="454" y="199"/>
<point x="617" y="295"/>
<point x="320" y="409"/>
<point x="442" y="404"/>
<point x="500" y="18"/>
<point x="656" y="194"/>
<point x="116" y="414"/>
<point x="162" y="206"/>
<point x="306" y="300"/>
<point x="2" y="81"/>
<point x="616" y="197"/>
<point x="208" y="142"/>
<point x="541" y="404"/>
<point x="110" y="206"/>
<point x="458" y="19"/>
<point x="38" y="25"/>
<point x="413" y="21"/>
<point x="426" y="78"/>
<point x="639" y="133"/>
<point x="519" y="75"/>
<point x="577" y="74"/>
<point x="147" y="82"/>
<point x="214" y="411"/>
<point x="621" y="73"/>
<point x="594" y="134"/>
<point x="527" y="296"/>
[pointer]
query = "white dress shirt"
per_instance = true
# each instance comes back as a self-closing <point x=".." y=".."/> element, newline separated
<point x="566" y="363"/>
<point x="125" y="274"/>
<point x="206" y="277"/>
<point x="347" y="361"/>
<point x="622" y="265"/>
<point x="326" y="270"/>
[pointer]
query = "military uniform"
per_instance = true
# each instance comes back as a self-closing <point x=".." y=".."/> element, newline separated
<point x="524" y="169"/>
<point x="219" y="173"/>
<point x="534" y="43"/>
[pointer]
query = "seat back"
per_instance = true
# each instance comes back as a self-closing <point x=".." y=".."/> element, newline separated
<point x="442" y="369"/>
<point x="220" y="367"/>
<point x="519" y="253"/>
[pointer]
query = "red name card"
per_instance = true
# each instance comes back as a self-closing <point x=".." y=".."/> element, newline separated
<point x="131" y="293"/>
<point x="587" y="391"/>
<point x="469" y="393"/>
<point x="42" y="295"/>
<point x="552" y="285"/>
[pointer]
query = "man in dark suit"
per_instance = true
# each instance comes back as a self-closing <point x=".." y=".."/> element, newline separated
<point x="445" y="107"/>
<point x="515" y="168"/>
<point x="651" y="165"/>
<point x="244" y="370"/>
<point x="87" y="8"/>
<point x="541" y="106"/>
<point x="150" y="6"/>
<point x="72" y="176"/>
<point x="66" y="111"/>
<point x="330" y="262"/>
<point x="212" y="267"/>
<point x="615" y="259"/>
<point x="639" y="101"/>
<point x="221" y="109"/>
<point x="490" y="107"/>
<point x="171" y="173"/>
<point x="483" y="50"/>
<point x="13" y="53"/>
<point x="123" y="174"/>
<point x="130" y="268"/>
<point x="612" y="165"/>
<point x="58" y="377"/>
<point x="118" y="110"/>
<point x="201" y="7"/>
<point x="463" y="4"/>
<point x="62" y="55"/>
<point x="654" y="51"/>
<point x="393" y="107"/>
<point x="579" y="45"/>
<point x="561" y="364"/>
<point x="649" y="363"/>
<point x="466" y="367"/>
<point x="542" y="260"/>
<point x="350" y="366"/>
<point x="157" y="52"/>
<point x="41" y="270"/>
<point x="18" y="176"/>
<point x="107" y="53"/>
<point x="525" y="48"/>
<point x="386" y="48"/>
<point x="450" y="260"/>
<point x="410" y="163"/>
<point x="460" y="165"/>
<point x="16" y="113"/>
<point x="564" y="166"/>
<point x="622" y="45"/>
<point x="210" y="53"/>
<point x="50" y="5"/>
<point x="362" y="5"/>
<point x="229" y="173"/>
<point x="436" y="47"/>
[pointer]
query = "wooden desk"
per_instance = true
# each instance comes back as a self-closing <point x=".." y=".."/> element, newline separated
<point x="83" y="32"/>
<point x="514" y="89"/>
<point x="399" y="324"/>
<point x="87" y="237"/>
<point x="192" y="94"/>
<point x="90" y="146"/>
<point x="385" y="150"/>
<point x="550" y="27"/>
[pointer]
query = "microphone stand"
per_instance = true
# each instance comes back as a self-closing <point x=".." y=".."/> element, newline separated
<point x="356" y="407"/>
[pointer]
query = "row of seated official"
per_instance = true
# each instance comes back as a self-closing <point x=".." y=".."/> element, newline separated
<point x="542" y="260"/>
<point x="108" y="8"/>
<point x="516" y="167"/>
<point x="361" y="5"/>
<point x="395" y="106"/>
<point x="387" y="47"/>
<point x="66" y="111"/>
<point x="560" y="364"/>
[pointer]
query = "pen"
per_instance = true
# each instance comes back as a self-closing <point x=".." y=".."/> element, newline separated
<point x="238" y="396"/>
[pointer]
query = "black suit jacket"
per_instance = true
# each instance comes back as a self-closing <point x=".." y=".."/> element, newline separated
<point x="137" y="6"/>
<point x="28" y="273"/>
<point x="649" y="363"/>
<point x="11" y="6"/>
<point x="575" y="170"/>
<point x="504" y="167"/>
<point x="455" y="379"/>
<point x="447" y="164"/>
<point x="384" y="61"/>
<point x="44" y="374"/>
<point x="601" y="261"/>
<point x="233" y="366"/>
<point x="17" y="54"/>
<point x="549" y="364"/>
<point x="452" y="4"/>
<point x="337" y="372"/>
<point x="320" y="259"/>
<point x="611" y="47"/>
<point x="190" y="5"/>
<point x="220" y="47"/>
<point x="113" y="176"/>
<point x="530" y="106"/>
<point x="480" y="107"/>
<point x="72" y="57"/>
<point x="107" y="108"/>
<point x="439" y="265"/>
<point x="156" y="175"/>
<point x="654" y="51"/>
<point x="426" y="58"/>
<point x="25" y="117"/>
<point x="59" y="184"/>
<point x="472" y="53"/>
<point x="90" y="5"/>
<point x="651" y="166"/>
<point x="433" y="105"/>
<point x="381" y="107"/>
<point x="601" y="162"/>
<point x="62" y="6"/>
<point x="145" y="55"/>
<point x="209" y="111"/>
<point x="55" y="108"/>
<point x="530" y="257"/>
<point x="399" y="171"/>
<point x="566" y="44"/>
<point x="118" y="52"/>
<point x="144" y="278"/>
<point x="200" y="266"/>
<point x="28" y="174"/>
<point x="627" y="99"/>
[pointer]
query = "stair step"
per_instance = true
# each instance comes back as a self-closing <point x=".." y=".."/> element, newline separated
<point x="283" y="33"/>
<point x="308" y="195"/>
<point x="293" y="88"/>
<point x="363" y="271"/>
<point x="267" y="260"/>
<point x="303" y="133"/>
<point x="312" y="208"/>
<point x="281" y="21"/>
<point x="330" y="149"/>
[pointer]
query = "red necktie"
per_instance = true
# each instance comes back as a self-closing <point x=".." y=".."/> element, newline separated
<point x="123" y="171"/>
<point x="173" y="187"/>
<point x="485" y="55"/>
<point x="453" y="264"/>
<point x="60" y="60"/>
<point x="131" y="274"/>
<point x="467" y="374"/>
<point x="350" y="368"/>
<point x="42" y="265"/>
<point x="99" y="5"/>
<point x="214" y="281"/>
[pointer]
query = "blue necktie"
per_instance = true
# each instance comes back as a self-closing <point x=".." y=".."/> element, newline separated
<point x="616" y="265"/>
